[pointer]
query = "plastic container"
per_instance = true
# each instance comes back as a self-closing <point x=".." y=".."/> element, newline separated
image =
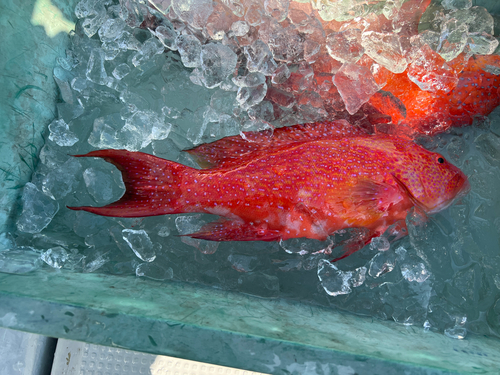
<point x="176" y="319"/>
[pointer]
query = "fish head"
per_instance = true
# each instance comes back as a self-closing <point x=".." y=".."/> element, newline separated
<point x="431" y="181"/>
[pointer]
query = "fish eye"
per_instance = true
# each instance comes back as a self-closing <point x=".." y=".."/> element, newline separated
<point x="440" y="160"/>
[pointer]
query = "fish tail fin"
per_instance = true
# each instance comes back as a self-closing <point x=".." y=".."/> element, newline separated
<point x="153" y="185"/>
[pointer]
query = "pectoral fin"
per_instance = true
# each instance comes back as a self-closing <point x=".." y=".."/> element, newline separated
<point x="375" y="196"/>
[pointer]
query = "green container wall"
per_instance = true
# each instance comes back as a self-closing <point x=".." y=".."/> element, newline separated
<point x="176" y="319"/>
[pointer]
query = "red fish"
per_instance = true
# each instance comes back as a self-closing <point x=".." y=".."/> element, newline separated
<point x="302" y="181"/>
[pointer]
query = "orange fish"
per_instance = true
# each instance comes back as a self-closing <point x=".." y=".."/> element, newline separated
<point x="455" y="91"/>
<point x="302" y="181"/>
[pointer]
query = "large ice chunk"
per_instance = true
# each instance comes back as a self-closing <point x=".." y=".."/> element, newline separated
<point x="385" y="49"/>
<point x="453" y="39"/>
<point x="278" y="9"/>
<point x="345" y="46"/>
<point x="38" y="210"/>
<point x="218" y="62"/>
<point x="61" y="181"/>
<point x="151" y="47"/>
<point x="95" y="67"/>
<point x="431" y="73"/>
<point x="194" y="12"/>
<point x="167" y="36"/>
<point x="252" y="90"/>
<point x="111" y="29"/>
<point x="60" y="133"/>
<point x="190" y="49"/>
<point x="141" y="128"/>
<point x="140" y="243"/>
<point x="98" y="184"/>
<point x="336" y="282"/>
<point x="22" y="259"/>
<point x="356" y="86"/>
<point x="482" y="43"/>
<point x="260" y="58"/>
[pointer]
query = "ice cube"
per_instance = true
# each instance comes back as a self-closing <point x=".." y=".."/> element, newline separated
<point x="79" y="84"/>
<point x="99" y="185"/>
<point x="415" y="272"/>
<point x="277" y="9"/>
<point x="61" y="181"/>
<point x="55" y="257"/>
<point x="62" y="79"/>
<point x="281" y="74"/>
<point x="190" y="50"/>
<point x="431" y="73"/>
<point x="385" y="49"/>
<point x="458" y="331"/>
<point x="111" y="29"/>
<point x="286" y="44"/>
<point x="260" y="58"/>
<point x="121" y="71"/>
<point x="151" y="47"/>
<point x="380" y="244"/>
<point x="68" y="111"/>
<point x="254" y="13"/>
<point x="345" y="46"/>
<point x="127" y="41"/>
<point x="356" y="86"/>
<point x="38" y="210"/>
<point x="104" y="132"/>
<point x="482" y="43"/>
<point x="60" y="133"/>
<point x="194" y="12"/>
<point x="163" y="230"/>
<point x="457" y="149"/>
<point x="94" y="261"/>
<point x="217" y="63"/>
<point x="382" y="263"/>
<point x="247" y="97"/>
<point x="154" y="271"/>
<point x="162" y="5"/>
<point x="452" y="40"/>
<point x="95" y="67"/>
<point x="141" y="128"/>
<point x="167" y="36"/>
<point x="311" y="49"/>
<point x="140" y="243"/>
<point x="264" y="110"/>
<point x="240" y="28"/>
<point x="336" y="282"/>
<point x="52" y="157"/>
<point x="259" y="284"/>
<point x="476" y="18"/>
<point x="22" y="259"/>
<point x="243" y="263"/>
<point x="94" y="13"/>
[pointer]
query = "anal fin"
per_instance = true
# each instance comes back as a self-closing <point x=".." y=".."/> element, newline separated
<point x="233" y="230"/>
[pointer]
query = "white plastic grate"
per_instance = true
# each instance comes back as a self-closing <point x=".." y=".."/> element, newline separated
<point x="76" y="358"/>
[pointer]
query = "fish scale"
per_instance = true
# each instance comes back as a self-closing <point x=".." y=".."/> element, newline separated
<point x="301" y="181"/>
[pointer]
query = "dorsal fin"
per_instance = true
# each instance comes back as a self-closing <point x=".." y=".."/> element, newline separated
<point x="231" y="151"/>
